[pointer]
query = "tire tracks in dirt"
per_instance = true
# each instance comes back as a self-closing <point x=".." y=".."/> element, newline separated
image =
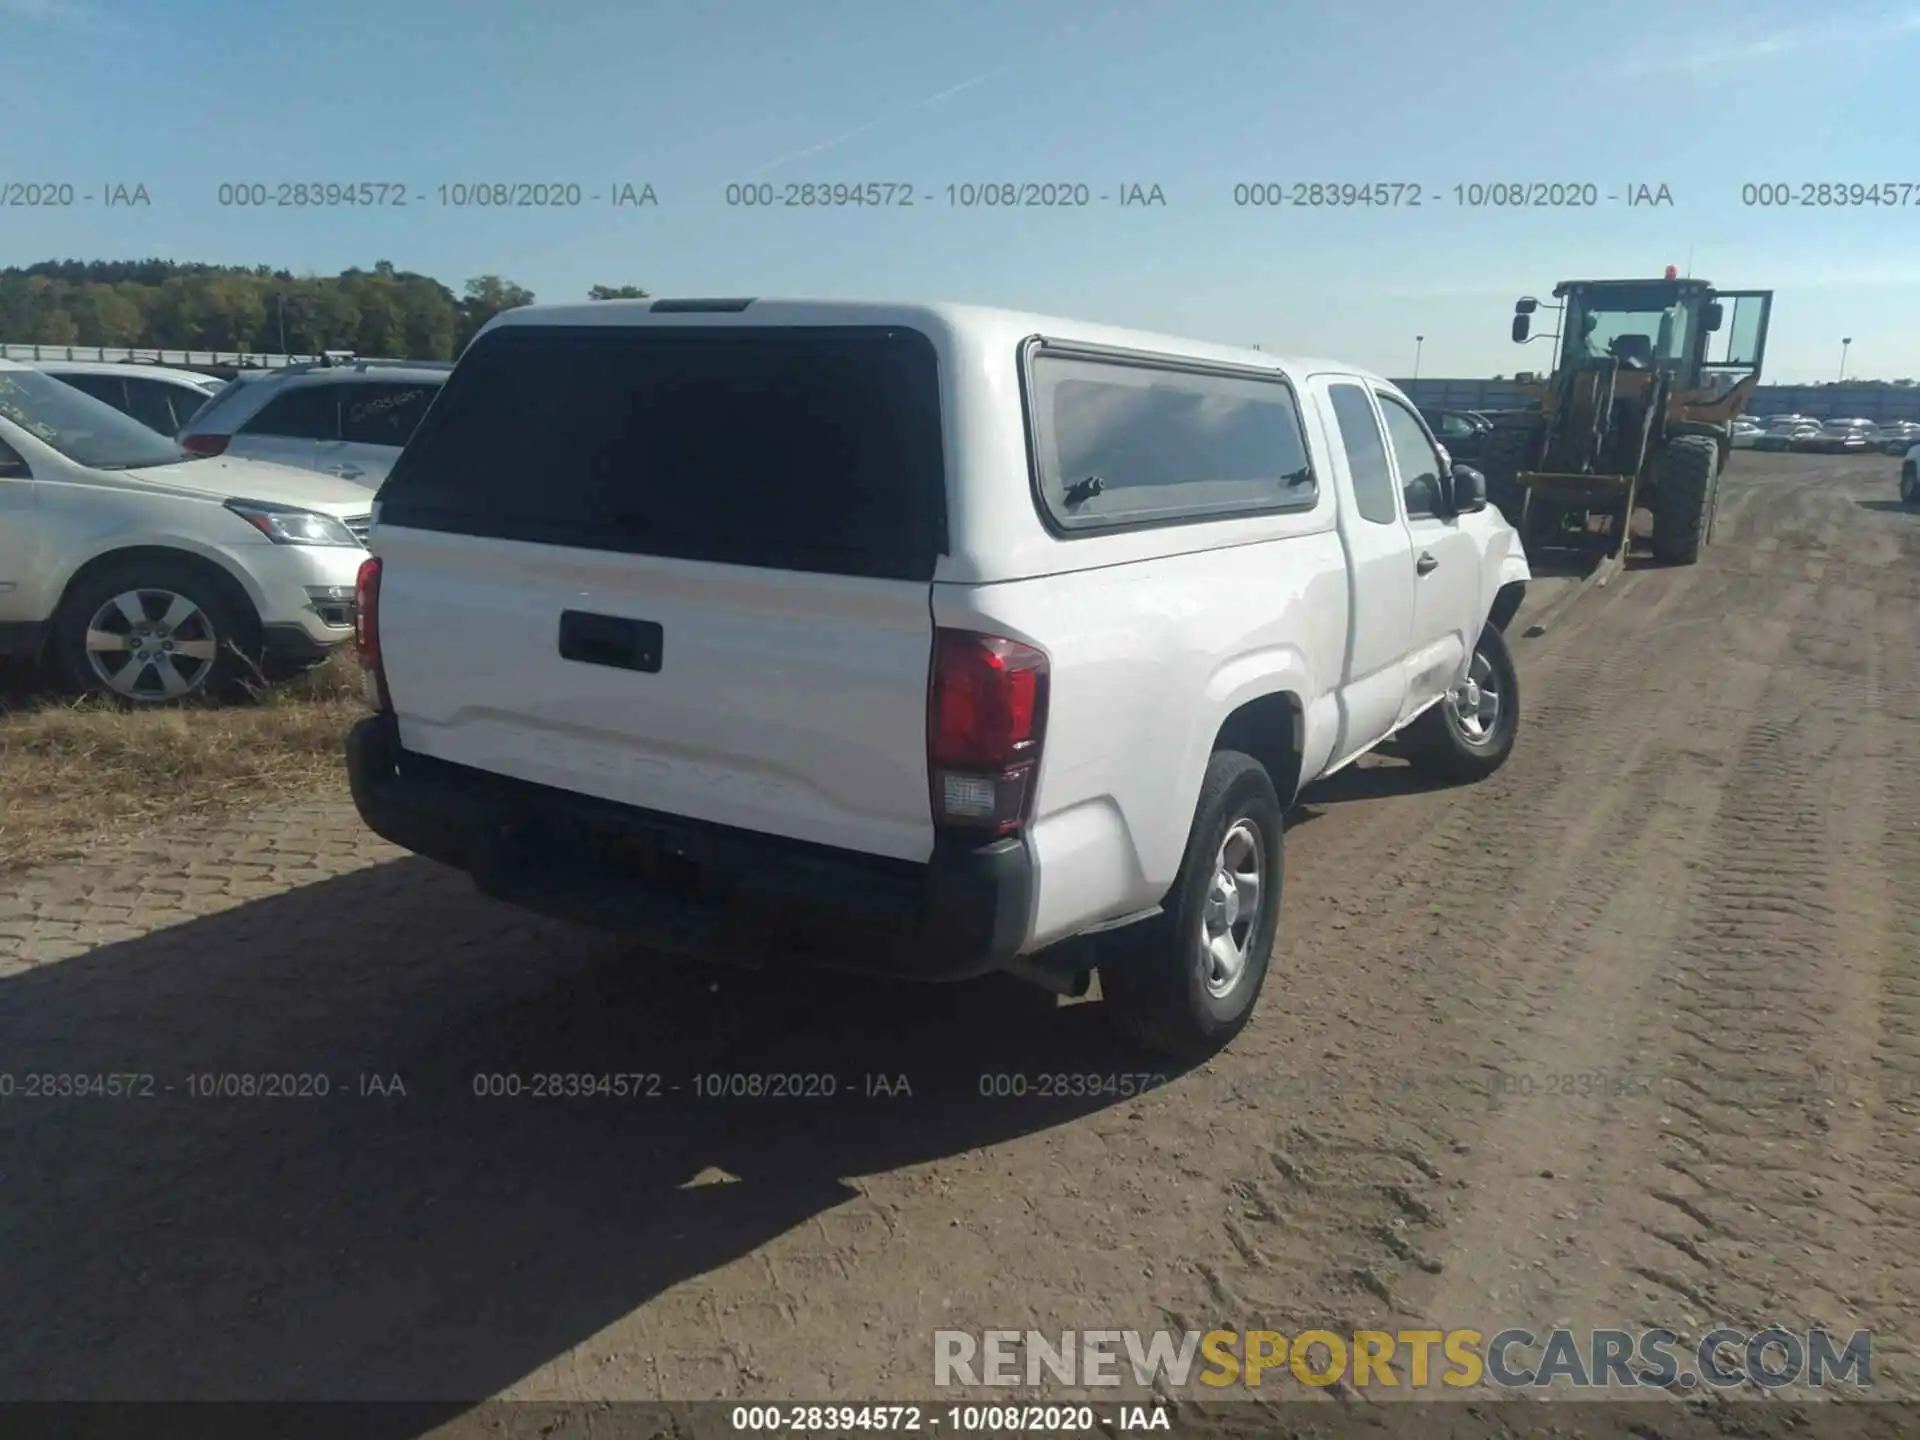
<point x="1764" y="1198"/>
<point x="1610" y="1102"/>
<point x="1364" y="1191"/>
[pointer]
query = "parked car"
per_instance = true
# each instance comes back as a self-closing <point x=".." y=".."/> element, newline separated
<point x="1910" y="476"/>
<point x="1463" y="434"/>
<point x="918" y="639"/>
<point x="1746" y="435"/>
<point x="138" y="569"/>
<point x="349" y="418"/>
<point x="162" y="399"/>
<point x="1898" y="436"/>
<point x="1836" y="437"/>
<point x="1786" y="436"/>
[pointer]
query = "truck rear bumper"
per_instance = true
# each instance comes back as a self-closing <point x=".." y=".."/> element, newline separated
<point x="704" y="890"/>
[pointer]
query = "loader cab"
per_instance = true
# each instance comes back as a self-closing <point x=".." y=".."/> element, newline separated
<point x="1644" y="325"/>
<point x="1698" y="337"/>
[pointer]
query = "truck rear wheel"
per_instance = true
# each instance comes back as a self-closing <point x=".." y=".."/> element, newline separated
<point x="1682" y="499"/>
<point x="1185" y="982"/>
<point x="1470" y="733"/>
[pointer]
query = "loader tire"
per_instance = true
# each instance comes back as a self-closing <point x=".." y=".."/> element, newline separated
<point x="1721" y="435"/>
<point x="1508" y="451"/>
<point x="1683" y="499"/>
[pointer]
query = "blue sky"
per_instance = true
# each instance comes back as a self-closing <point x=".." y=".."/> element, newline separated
<point x="1193" y="97"/>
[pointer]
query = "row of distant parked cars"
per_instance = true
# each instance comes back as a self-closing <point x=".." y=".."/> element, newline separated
<point x="1805" y="435"/>
<point x="1464" y="433"/>
<point x="339" y="415"/>
<point x="165" y="535"/>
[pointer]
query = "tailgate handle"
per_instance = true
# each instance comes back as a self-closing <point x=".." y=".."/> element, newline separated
<point x="611" y="640"/>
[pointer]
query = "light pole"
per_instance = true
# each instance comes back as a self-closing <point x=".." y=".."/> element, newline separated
<point x="1845" y="341"/>
<point x="1418" y="341"/>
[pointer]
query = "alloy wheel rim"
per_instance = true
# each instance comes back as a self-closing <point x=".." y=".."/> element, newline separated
<point x="151" y="645"/>
<point x="1474" y="706"/>
<point x="1232" y="909"/>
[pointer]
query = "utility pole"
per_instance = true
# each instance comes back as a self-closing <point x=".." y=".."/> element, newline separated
<point x="1845" y="341"/>
<point x="1418" y="342"/>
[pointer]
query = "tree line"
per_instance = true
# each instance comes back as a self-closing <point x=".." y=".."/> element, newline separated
<point x="166" y="305"/>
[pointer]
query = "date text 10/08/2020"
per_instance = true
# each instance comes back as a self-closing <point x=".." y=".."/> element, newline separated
<point x="1473" y="195"/>
<point x="450" y="195"/>
<point x="965" y="195"/>
<point x="830" y="1419"/>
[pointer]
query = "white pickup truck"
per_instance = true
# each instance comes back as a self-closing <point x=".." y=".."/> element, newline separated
<point x="922" y="640"/>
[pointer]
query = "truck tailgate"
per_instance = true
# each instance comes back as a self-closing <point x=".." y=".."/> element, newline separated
<point x="685" y="569"/>
<point x="792" y="705"/>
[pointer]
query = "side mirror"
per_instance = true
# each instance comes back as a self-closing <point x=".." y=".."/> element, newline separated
<point x="1469" y="490"/>
<point x="1525" y="307"/>
<point x="1521" y="325"/>
<point x="1713" y="316"/>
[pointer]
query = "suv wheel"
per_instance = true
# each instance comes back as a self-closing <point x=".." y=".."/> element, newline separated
<point x="1909" y="484"/>
<point x="1185" y="982"/>
<point x="149" y="632"/>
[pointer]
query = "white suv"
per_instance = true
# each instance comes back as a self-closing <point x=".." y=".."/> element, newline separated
<point x="162" y="399"/>
<point x="349" y="419"/>
<point x="920" y="639"/>
<point x="151" y="574"/>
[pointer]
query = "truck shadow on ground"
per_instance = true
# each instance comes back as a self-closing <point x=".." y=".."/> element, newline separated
<point x="1377" y="776"/>
<point x="406" y="1235"/>
<point x="1890" y="507"/>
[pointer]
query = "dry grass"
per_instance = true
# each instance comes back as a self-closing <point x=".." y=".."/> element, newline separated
<point x="74" y="772"/>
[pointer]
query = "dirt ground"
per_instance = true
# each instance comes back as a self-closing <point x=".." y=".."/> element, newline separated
<point x="1628" y="1035"/>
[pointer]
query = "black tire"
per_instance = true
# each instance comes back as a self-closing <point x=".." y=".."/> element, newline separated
<point x="1682" y="499"/>
<point x="1721" y="435"/>
<point x="220" y="633"/>
<point x="1909" y="484"/>
<point x="1508" y="450"/>
<point x="1157" y="977"/>
<point x="1443" y="745"/>
<point x="1542" y="523"/>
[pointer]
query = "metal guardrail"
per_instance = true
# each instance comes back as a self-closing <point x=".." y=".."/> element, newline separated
<point x="138" y="355"/>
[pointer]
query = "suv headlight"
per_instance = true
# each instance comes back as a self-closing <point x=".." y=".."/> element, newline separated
<point x="291" y="525"/>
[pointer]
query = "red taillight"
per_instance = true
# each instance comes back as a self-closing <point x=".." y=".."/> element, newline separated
<point x="986" y="722"/>
<point x="366" y="630"/>
<point x="206" y="444"/>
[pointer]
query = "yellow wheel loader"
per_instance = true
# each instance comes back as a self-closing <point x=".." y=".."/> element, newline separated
<point x="1637" y="414"/>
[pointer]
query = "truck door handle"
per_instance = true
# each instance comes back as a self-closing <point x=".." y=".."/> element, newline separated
<point x="1426" y="564"/>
